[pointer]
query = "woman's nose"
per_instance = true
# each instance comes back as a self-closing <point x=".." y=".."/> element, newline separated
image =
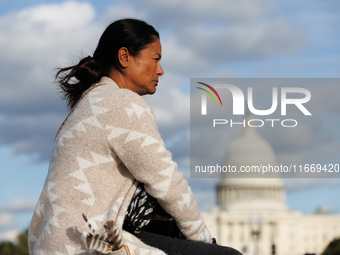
<point x="160" y="70"/>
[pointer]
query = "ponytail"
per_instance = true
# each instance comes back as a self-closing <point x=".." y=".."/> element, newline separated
<point x="86" y="72"/>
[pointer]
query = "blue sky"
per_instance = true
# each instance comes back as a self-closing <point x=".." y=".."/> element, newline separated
<point x="217" y="38"/>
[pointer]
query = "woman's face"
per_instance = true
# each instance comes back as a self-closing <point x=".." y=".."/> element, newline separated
<point x="145" y="69"/>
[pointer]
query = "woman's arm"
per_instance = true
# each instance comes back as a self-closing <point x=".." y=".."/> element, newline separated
<point x="133" y="135"/>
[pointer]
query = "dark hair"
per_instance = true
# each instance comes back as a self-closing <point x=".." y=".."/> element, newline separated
<point x="133" y="34"/>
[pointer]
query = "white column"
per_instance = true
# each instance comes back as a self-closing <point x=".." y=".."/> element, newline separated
<point x="219" y="195"/>
<point x="224" y="195"/>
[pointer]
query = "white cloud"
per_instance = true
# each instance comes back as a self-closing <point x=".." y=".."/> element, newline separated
<point x="21" y="205"/>
<point x="31" y="134"/>
<point x="295" y="184"/>
<point x="180" y="59"/>
<point x="203" y="36"/>
<point x="43" y="32"/>
<point x="33" y="42"/>
<point x="242" y="9"/>
<point x="6" y="220"/>
<point x="325" y="96"/>
<point x="123" y="10"/>
<point x="74" y="15"/>
<point x="254" y="40"/>
<point x="204" y="10"/>
<point x="10" y="235"/>
<point x="171" y="106"/>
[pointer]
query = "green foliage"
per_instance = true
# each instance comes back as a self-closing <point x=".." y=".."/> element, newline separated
<point x="333" y="248"/>
<point x="17" y="248"/>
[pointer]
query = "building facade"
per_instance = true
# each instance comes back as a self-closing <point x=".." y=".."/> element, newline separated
<point x="251" y="213"/>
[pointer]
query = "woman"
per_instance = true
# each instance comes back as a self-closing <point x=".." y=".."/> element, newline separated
<point x="105" y="149"/>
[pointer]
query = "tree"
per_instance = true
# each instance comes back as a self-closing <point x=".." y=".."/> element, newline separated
<point x="333" y="248"/>
<point x="16" y="248"/>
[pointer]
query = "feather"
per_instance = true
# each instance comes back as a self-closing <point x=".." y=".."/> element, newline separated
<point x="96" y="242"/>
<point x="88" y="224"/>
<point x="114" y="236"/>
<point x="111" y="240"/>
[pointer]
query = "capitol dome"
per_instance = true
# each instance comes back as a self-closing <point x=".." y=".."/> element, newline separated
<point x="250" y="191"/>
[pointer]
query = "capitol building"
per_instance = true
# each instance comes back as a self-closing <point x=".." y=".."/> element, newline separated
<point x="251" y="214"/>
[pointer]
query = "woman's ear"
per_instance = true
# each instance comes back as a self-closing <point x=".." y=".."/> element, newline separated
<point x="123" y="57"/>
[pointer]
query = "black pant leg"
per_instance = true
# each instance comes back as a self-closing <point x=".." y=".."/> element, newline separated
<point x="174" y="246"/>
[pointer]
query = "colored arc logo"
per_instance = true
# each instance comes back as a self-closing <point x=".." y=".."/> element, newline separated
<point x="210" y="93"/>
